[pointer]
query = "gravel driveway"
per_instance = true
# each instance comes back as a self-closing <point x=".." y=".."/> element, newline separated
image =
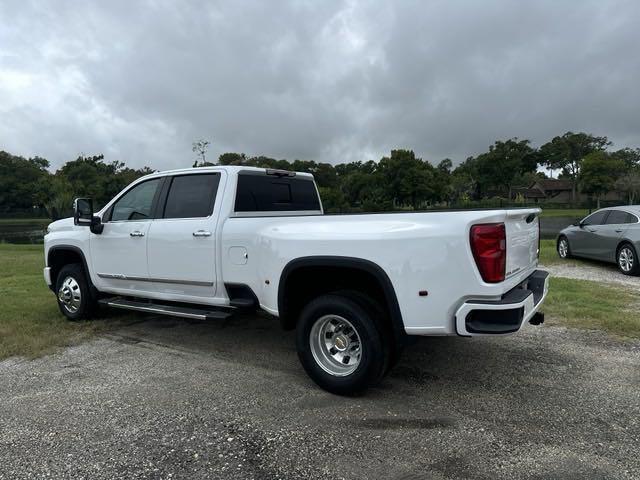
<point x="166" y="398"/>
<point x="591" y="270"/>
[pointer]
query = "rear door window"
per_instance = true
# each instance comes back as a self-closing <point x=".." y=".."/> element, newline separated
<point x="617" y="217"/>
<point x="191" y="196"/>
<point x="271" y="193"/>
<point x="596" y="218"/>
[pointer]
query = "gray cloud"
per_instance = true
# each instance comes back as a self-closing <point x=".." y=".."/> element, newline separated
<point x="330" y="81"/>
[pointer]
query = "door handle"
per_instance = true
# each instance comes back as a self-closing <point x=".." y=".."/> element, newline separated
<point x="136" y="233"/>
<point x="618" y="231"/>
<point x="202" y="233"/>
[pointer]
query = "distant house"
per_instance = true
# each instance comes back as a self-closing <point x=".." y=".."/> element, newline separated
<point x="530" y="195"/>
<point x="557" y="190"/>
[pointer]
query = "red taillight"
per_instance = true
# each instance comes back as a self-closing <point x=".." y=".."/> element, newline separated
<point x="489" y="247"/>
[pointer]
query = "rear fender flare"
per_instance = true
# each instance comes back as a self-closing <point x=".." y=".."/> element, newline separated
<point x="363" y="265"/>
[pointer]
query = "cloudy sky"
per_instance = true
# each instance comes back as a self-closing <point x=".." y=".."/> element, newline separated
<point x="330" y="81"/>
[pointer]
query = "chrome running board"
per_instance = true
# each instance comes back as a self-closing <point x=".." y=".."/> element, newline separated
<point x="208" y="313"/>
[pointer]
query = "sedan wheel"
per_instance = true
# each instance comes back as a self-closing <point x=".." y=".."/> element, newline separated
<point x="627" y="260"/>
<point x="563" y="248"/>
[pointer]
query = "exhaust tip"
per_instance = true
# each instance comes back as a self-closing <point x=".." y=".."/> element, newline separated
<point x="537" y="319"/>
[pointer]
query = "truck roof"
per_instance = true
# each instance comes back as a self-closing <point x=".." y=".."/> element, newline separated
<point x="231" y="169"/>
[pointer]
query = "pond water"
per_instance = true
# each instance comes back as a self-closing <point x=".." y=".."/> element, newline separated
<point x="22" y="232"/>
<point x="30" y="233"/>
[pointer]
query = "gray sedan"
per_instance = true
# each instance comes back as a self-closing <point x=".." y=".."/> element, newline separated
<point x="611" y="235"/>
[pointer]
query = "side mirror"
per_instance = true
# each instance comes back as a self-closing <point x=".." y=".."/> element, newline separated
<point x="83" y="212"/>
<point x="83" y="215"/>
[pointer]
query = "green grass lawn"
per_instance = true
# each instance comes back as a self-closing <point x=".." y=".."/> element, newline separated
<point x="20" y="221"/>
<point x="568" y="212"/>
<point x="549" y="254"/>
<point x="586" y="304"/>
<point x="30" y="322"/>
<point x="581" y="303"/>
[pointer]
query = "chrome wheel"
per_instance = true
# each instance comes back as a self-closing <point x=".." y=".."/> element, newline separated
<point x="335" y="345"/>
<point x="563" y="248"/>
<point x="69" y="295"/>
<point x="626" y="259"/>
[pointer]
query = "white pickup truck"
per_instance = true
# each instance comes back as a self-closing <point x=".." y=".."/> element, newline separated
<point x="207" y="242"/>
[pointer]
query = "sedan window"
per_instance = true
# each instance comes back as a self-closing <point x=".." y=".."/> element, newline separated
<point x="617" y="217"/>
<point x="595" y="218"/>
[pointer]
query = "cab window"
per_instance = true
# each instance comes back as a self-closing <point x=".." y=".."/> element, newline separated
<point x="136" y="203"/>
<point x="268" y="193"/>
<point x="191" y="196"/>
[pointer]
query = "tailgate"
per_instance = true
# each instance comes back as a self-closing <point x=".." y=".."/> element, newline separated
<point x="522" y="228"/>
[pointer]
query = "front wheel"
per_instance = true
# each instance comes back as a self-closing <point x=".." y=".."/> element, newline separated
<point x="564" y="251"/>
<point x="340" y="345"/>
<point x="627" y="260"/>
<point x="74" y="295"/>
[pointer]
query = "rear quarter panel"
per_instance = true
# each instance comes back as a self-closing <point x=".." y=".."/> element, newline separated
<point x="418" y="251"/>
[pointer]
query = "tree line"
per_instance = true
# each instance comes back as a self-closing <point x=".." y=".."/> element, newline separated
<point x="27" y="185"/>
<point x="404" y="181"/>
<point x="399" y="181"/>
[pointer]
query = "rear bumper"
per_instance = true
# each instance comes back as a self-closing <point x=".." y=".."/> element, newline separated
<point x="506" y="315"/>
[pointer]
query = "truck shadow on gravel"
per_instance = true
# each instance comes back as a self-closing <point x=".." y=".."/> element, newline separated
<point x="429" y="368"/>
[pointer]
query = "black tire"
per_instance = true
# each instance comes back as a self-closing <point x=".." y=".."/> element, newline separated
<point x="72" y="281"/>
<point x="381" y="317"/>
<point x="558" y="249"/>
<point x="627" y="253"/>
<point x="375" y="345"/>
